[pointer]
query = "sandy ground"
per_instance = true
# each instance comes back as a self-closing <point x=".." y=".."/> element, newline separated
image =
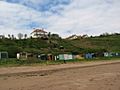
<point x="90" y="76"/>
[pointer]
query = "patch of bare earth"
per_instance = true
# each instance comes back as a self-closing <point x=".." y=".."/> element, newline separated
<point x="103" y="77"/>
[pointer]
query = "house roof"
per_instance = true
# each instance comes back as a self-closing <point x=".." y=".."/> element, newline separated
<point x="71" y="37"/>
<point x="39" y="30"/>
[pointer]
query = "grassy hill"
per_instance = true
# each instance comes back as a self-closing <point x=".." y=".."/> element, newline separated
<point x="108" y="43"/>
<point x="52" y="45"/>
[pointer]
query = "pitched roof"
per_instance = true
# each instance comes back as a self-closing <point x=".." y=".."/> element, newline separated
<point x="70" y="37"/>
<point x="39" y="30"/>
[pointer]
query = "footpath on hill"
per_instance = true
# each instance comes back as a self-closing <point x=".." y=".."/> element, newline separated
<point x="51" y="68"/>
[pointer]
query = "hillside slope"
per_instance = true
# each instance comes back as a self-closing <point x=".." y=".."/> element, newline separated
<point x="52" y="45"/>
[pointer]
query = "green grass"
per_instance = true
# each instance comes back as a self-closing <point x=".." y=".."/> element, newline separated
<point x="14" y="62"/>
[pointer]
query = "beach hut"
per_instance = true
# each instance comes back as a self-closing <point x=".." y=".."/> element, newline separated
<point x="3" y="55"/>
<point x="111" y="54"/>
<point x="50" y="57"/>
<point x="80" y="56"/>
<point x="107" y="54"/>
<point x="65" y="56"/>
<point x="89" y="55"/>
<point x="25" y="56"/>
<point x="42" y="57"/>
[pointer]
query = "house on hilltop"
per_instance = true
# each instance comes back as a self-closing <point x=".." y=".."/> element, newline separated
<point x="73" y="37"/>
<point x="39" y="33"/>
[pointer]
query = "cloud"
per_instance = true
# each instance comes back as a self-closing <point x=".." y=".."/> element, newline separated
<point x="17" y="18"/>
<point x="65" y="17"/>
<point x="93" y="17"/>
<point x="41" y="5"/>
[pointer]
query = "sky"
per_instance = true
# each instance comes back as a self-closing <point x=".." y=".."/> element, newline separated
<point x="63" y="17"/>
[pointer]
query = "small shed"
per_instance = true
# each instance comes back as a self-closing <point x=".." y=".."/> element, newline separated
<point x="106" y="54"/>
<point x="65" y="56"/>
<point x="25" y="56"/>
<point x="42" y="57"/>
<point x="118" y="54"/>
<point x="89" y="55"/>
<point x="80" y="56"/>
<point x="49" y="57"/>
<point x="111" y="54"/>
<point x="3" y="55"/>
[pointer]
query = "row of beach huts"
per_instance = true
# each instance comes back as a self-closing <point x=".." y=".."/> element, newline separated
<point x="50" y="57"/>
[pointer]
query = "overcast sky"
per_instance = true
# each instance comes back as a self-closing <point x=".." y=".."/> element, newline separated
<point x="65" y="17"/>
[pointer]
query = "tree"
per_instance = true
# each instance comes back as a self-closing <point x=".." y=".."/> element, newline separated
<point x="104" y="34"/>
<point x="13" y="50"/>
<point x="20" y="35"/>
<point x="9" y="36"/>
<point x="49" y="34"/>
<point x="13" y="37"/>
<point x="25" y="36"/>
<point x="55" y="36"/>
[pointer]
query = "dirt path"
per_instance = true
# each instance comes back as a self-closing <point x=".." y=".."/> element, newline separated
<point x="86" y="76"/>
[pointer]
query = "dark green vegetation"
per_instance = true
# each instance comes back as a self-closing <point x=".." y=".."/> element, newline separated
<point x="52" y="45"/>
